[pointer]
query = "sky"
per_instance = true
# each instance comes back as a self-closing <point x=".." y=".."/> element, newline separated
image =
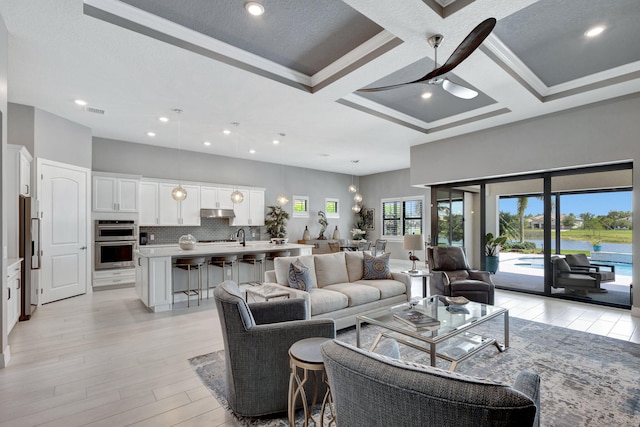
<point x="597" y="204"/>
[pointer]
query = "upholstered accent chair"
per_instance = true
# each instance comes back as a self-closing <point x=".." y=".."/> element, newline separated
<point x="573" y="282"/>
<point x="257" y="338"/>
<point x="580" y="263"/>
<point x="379" y="247"/>
<point x="408" y="394"/>
<point x="452" y="276"/>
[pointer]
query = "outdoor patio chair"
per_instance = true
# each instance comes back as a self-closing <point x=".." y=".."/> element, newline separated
<point x="580" y="263"/>
<point x="452" y="276"/>
<point x="573" y="282"/>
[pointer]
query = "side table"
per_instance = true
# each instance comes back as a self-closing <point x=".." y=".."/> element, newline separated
<point x="425" y="277"/>
<point x="305" y="356"/>
<point x="266" y="292"/>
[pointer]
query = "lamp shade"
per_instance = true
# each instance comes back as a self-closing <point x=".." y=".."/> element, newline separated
<point x="413" y="242"/>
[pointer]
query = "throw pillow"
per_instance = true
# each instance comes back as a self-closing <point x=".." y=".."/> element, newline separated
<point x="377" y="267"/>
<point x="299" y="276"/>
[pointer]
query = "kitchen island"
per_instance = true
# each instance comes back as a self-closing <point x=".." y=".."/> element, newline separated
<point x="154" y="275"/>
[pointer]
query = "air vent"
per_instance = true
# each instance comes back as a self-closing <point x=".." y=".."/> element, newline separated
<point x="94" y="110"/>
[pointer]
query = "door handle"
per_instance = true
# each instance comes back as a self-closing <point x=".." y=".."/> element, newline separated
<point x="83" y="248"/>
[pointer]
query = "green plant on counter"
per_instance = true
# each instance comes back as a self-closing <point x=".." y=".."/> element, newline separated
<point x="276" y="221"/>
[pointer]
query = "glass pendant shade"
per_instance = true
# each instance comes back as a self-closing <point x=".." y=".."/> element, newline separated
<point x="179" y="193"/>
<point x="352" y="188"/>
<point x="237" y="196"/>
<point x="357" y="198"/>
<point x="356" y="208"/>
<point x="282" y="199"/>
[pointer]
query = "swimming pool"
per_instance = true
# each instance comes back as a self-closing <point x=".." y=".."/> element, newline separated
<point x="622" y="268"/>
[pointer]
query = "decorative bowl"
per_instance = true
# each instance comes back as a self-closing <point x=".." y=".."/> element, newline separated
<point x="187" y="242"/>
<point x="279" y="240"/>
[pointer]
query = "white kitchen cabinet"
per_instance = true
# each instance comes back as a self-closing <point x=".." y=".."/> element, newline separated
<point x="113" y="193"/>
<point x="115" y="277"/>
<point x="13" y="294"/>
<point x="18" y="166"/>
<point x="251" y="211"/>
<point x="173" y="212"/>
<point x="215" y="197"/>
<point x="148" y="203"/>
<point x="153" y="282"/>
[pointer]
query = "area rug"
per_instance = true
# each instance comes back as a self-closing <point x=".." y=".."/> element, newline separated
<point x="586" y="379"/>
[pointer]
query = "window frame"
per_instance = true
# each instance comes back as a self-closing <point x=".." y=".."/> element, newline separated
<point x="402" y="219"/>
<point x="335" y="214"/>
<point x="303" y="214"/>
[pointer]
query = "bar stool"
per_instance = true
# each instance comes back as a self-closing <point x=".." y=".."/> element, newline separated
<point x="190" y="264"/>
<point x="223" y="262"/>
<point x="258" y="264"/>
<point x="278" y="254"/>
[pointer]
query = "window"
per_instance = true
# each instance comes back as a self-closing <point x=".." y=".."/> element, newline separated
<point x="402" y="216"/>
<point x="300" y="207"/>
<point x="331" y="208"/>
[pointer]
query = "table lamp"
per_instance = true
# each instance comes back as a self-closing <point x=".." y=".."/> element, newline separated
<point x="412" y="243"/>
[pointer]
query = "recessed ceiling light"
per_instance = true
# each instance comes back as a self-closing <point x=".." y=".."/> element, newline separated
<point x="254" y="8"/>
<point x="226" y="131"/>
<point x="151" y="134"/>
<point x="275" y="141"/>
<point x="81" y="102"/>
<point x="163" y="119"/>
<point x="426" y="95"/>
<point x="252" y="151"/>
<point x="595" y="31"/>
<point x="207" y="143"/>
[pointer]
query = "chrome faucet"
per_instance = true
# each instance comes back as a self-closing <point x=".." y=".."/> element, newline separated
<point x="241" y="231"/>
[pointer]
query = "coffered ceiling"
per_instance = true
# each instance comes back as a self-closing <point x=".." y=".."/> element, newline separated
<point x="296" y="70"/>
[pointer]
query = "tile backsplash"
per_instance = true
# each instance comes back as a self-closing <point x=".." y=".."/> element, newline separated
<point x="209" y="229"/>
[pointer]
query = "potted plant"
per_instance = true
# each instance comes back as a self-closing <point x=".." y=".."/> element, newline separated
<point x="276" y="222"/>
<point x="492" y="247"/>
<point x="596" y="243"/>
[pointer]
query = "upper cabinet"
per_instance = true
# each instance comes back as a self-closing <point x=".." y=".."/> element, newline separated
<point x="251" y="211"/>
<point x="115" y="193"/>
<point x="18" y="166"/>
<point x="215" y="197"/>
<point x="159" y="208"/>
<point x="148" y="203"/>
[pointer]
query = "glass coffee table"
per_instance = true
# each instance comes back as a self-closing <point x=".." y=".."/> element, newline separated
<point x="452" y="340"/>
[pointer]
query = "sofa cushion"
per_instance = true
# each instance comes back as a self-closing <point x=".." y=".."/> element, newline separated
<point x="324" y="301"/>
<point x="377" y="267"/>
<point x="356" y="293"/>
<point x="299" y="276"/>
<point x="330" y="269"/>
<point x="355" y="265"/>
<point x="388" y="288"/>
<point x="281" y="266"/>
<point x="457" y="275"/>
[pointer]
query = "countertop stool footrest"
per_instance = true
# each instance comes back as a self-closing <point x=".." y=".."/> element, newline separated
<point x="257" y="260"/>
<point x="222" y="261"/>
<point x="190" y="264"/>
<point x="305" y="358"/>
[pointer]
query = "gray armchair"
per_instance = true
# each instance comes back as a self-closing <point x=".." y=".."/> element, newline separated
<point x="370" y="390"/>
<point x="257" y="338"/>
<point x="573" y="282"/>
<point x="580" y="263"/>
<point x="452" y="276"/>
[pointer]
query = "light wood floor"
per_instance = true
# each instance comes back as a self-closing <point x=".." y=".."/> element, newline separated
<point x="103" y="360"/>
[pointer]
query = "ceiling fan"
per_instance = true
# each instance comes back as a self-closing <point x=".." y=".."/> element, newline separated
<point x="437" y="75"/>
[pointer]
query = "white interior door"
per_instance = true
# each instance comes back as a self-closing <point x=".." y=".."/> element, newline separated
<point x="64" y="221"/>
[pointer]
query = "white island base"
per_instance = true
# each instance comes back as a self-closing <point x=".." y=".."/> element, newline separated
<point x="154" y="278"/>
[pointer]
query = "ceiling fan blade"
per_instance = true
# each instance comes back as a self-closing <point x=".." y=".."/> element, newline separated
<point x="466" y="48"/>
<point x="378" y="89"/>
<point x="457" y="90"/>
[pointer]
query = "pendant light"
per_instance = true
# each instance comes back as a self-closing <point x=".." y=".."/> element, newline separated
<point x="352" y="187"/>
<point x="282" y="199"/>
<point x="236" y="197"/>
<point x="179" y="193"/>
<point x="357" y="198"/>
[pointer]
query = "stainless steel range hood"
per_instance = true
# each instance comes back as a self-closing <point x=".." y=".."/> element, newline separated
<point x="217" y="213"/>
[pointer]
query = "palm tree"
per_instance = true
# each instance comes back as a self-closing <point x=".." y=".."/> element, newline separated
<point x="522" y="206"/>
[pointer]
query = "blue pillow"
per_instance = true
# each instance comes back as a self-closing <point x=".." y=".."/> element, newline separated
<point x="377" y="267"/>
<point x="299" y="276"/>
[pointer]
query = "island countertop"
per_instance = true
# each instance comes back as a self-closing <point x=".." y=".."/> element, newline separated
<point x="206" y="249"/>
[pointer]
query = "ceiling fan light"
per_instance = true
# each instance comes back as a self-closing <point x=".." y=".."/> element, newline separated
<point x="254" y="8"/>
<point x="237" y="197"/>
<point x="179" y="193"/>
<point x="595" y="31"/>
<point x="352" y="188"/>
<point x="282" y="199"/>
<point x="426" y="95"/>
<point x="357" y="198"/>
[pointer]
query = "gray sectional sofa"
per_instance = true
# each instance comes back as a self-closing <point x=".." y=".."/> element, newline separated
<point x="337" y="289"/>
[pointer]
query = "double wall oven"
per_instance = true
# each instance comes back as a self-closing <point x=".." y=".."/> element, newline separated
<point x="115" y="244"/>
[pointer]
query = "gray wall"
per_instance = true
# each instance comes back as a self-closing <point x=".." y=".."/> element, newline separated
<point x="602" y="133"/>
<point x="5" y="352"/>
<point x="157" y="162"/>
<point x="22" y="129"/>
<point x="61" y="140"/>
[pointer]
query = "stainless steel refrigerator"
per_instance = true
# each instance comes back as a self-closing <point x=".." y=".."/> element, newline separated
<point x="29" y="251"/>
